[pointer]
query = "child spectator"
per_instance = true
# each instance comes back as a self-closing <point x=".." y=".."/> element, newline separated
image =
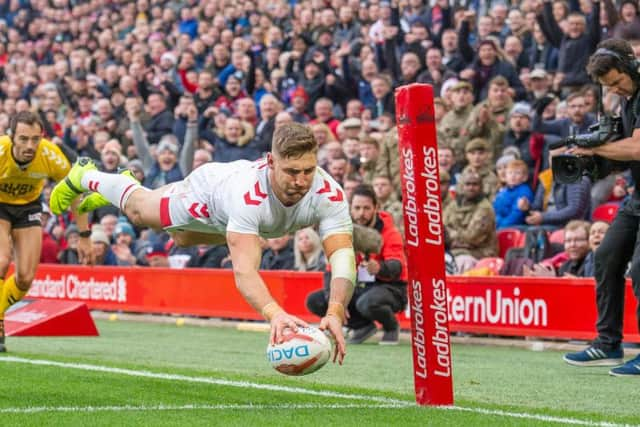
<point x="596" y="234"/>
<point x="506" y="203"/>
<point x="501" y="169"/>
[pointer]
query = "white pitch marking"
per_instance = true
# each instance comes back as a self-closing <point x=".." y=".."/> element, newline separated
<point x="205" y="380"/>
<point x="384" y="402"/>
<point x="528" y="416"/>
<point x="194" y="407"/>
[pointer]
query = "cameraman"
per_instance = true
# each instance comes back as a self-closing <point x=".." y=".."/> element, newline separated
<point x="614" y="65"/>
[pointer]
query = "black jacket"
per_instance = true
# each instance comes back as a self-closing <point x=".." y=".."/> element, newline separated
<point x="160" y="125"/>
<point x="574" y="53"/>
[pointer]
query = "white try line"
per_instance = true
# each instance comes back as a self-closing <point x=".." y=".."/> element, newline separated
<point x="538" y="417"/>
<point x="384" y="402"/>
<point x="194" y="407"/>
<point x="204" y="380"/>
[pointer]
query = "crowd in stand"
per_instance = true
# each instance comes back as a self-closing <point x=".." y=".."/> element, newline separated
<point x="164" y="86"/>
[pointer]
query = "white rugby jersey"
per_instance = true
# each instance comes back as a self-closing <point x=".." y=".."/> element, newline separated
<point x="239" y="198"/>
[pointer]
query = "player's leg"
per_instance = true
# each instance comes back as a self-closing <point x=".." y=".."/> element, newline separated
<point x="27" y="244"/>
<point x="94" y="201"/>
<point x="143" y="207"/>
<point x="139" y="204"/>
<point x="5" y="260"/>
<point x="6" y="246"/>
<point x="84" y="176"/>
<point x="67" y="190"/>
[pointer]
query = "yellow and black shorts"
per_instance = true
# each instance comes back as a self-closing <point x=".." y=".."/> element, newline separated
<point x="22" y="216"/>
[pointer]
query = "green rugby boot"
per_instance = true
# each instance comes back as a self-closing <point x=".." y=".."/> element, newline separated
<point x="96" y="200"/>
<point x="67" y="190"/>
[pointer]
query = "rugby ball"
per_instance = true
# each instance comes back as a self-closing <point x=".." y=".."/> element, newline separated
<point x="301" y="352"/>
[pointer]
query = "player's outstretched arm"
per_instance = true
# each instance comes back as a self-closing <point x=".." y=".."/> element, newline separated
<point x="245" y="254"/>
<point x="339" y="250"/>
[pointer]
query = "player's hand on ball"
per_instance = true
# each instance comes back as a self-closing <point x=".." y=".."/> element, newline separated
<point x="334" y="325"/>
<point x="282" y="321"/>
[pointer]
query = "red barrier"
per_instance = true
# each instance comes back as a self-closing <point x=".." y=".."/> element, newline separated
<point x="200" y="292"/>
<point x="564" y="308"/>
<point x="536" y="307"/>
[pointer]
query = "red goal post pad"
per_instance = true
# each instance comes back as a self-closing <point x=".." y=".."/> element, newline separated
<point x="424" y="237"/>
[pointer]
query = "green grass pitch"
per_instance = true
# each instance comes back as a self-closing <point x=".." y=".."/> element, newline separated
<point x="146" y="374"/>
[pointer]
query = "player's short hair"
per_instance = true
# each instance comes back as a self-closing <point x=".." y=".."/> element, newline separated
<point x="26" y="117"/>
<point x="293" y="140"/>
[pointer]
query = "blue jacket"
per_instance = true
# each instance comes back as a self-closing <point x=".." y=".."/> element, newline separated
<point x="225" y="152"/>
<point x="506" y="205"/>
<point x="190" y="27"/>
<point x="157" y="178"/>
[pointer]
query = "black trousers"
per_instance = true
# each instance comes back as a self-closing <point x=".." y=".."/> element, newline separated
<point x="618" y="247"/>
<point x="376" y="302"/>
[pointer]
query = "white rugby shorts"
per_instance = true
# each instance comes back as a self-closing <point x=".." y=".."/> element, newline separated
<point x="184" y="205"/>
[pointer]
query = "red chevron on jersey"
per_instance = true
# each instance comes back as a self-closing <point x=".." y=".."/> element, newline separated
<point x="199" y="210"/>
<point x="93" y="185"/>
<point x="256" y="197"/>
<point x="335" y="194"/>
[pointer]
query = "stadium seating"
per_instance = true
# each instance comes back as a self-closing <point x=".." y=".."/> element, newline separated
<point x="557" y="236"/>
<point x="605" y="212"/>
<point x="509" y="238"/>
<point x="494" y="264"/>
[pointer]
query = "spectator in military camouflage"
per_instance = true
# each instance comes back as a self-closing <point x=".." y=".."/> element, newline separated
<point x="388" y="200"/>
<point x="388" y="160"/>
<point x="445" y="184"/>
<point x="369" y="152"/>
<point x="487" y="119"/>
<point x="471" y="223"/>
<point x="441" y="108"/>
<point x="454" y="121"/>
<point x="478" y="157"/>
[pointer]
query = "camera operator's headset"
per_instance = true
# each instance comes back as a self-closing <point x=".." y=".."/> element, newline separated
<point x="628" y="65"/>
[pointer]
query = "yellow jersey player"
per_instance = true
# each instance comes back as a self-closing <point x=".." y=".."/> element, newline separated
<point x="26" y="162"/>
